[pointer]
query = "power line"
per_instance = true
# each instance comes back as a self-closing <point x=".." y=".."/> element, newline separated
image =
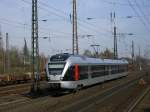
<point x="145" y="8"/>
<point x="142" y="12"/>
<point x="57" y="35"/>
<point x="64" y="13"/>
<point x="120" y="3"/>
<point x="66" y="19"/>
<point x="93" y="27"/>
<point x="60" y="11"/>
<point x="80" y="22"/>
<point x="140" y="18"/>
<point x="51" y="12"/>
<point x="21" y="25"/>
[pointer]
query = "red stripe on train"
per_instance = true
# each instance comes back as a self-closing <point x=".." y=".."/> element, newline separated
<point x="76" y="72"/>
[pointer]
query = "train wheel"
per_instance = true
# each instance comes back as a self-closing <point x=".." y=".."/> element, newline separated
<point x="78" y="88"/>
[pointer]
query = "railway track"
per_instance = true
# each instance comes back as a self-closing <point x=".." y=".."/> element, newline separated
<point x="86" y="104"/>
<point x="52" y="104"/>
<point x="14" y="86"/>
<point x="14" y="89"/>
<point x="18" y="88"/>
<point x="138" y="100"/>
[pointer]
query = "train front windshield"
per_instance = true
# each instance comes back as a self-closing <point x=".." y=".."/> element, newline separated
<point x="56" y="68"/>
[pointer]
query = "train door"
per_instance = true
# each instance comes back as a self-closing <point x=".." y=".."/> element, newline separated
<point x="89" y="72"/>
<point x="109" y="72"/>
<point x="89" y="75"/>
<point x="106" y="72"/>
<point x="83" y="74"/>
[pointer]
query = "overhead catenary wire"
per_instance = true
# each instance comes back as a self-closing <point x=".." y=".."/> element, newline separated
<point x="54" y="35"/>
<point x="85" y="25"/>
<point x="146" y="9"/>
<point x="21" y="25"/>
<point x="142" y="12"/>
<point x="81" y="25"/>
<point x="62" y="11"/>
<point x="28" y="27"/>
<point x="120" y="3"/>
<point x="63" y="15"/>
<point x="50" y="12"/>
<point x="140" y="18"/>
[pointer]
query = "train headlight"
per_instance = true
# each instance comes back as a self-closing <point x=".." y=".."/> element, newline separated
<point x="49" y="78"/>
<point x="61" y="78"/>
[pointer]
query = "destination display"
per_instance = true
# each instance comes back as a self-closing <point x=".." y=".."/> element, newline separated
<point x="56" y="66"/>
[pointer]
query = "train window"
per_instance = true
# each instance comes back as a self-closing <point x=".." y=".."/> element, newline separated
<point x="83" y="72"/>
<point x="60" y="57"/>
<point x="123" y="68"/>
<point x="69" y="76"/>
<point x="114" y="69"/>
<point x="56" y="68"/>
<point x="126" y="68"/>
<point x="106" y="70"/>
<point x="120" y="68"/>
<point x="97" y="71"/>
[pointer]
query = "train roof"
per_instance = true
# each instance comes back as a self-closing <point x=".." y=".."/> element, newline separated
<point x="83" y="59"/>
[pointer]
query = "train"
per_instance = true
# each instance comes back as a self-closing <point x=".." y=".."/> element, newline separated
<point x="10" y="79"/>
<point x="67" y="71"/>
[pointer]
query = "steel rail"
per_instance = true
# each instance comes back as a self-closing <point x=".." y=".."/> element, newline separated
<point x="87" y="103"/>
<point x="132" y="107"/>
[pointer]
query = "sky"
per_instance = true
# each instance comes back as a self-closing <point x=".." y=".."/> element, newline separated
<point x="15" y="18"/>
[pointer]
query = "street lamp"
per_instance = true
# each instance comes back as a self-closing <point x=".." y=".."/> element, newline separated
<point x="44" y="37"/>
<point x="83" y="36"/>
<point x="130" y="34"/>
<point x="44" y="20"/>
<point x="89" y="18"/>
<point x="129" y="17"/>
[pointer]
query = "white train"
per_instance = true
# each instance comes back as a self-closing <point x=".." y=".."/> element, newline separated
<point x="68" y="71"/>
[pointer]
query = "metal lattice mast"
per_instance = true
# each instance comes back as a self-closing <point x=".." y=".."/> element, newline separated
<point x="113" y="17"/>
<point x="133" y="58"/>
<point x="75" y="33"/>
<point x="7" y="61"/>
<point x="115" y="44"/>
<point x="1" y="39"/>
<point x="2" y="50"/>
<point x="35" y="47"/>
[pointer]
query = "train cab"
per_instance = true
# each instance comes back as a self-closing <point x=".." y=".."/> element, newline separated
<point x="55" y="68"/>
